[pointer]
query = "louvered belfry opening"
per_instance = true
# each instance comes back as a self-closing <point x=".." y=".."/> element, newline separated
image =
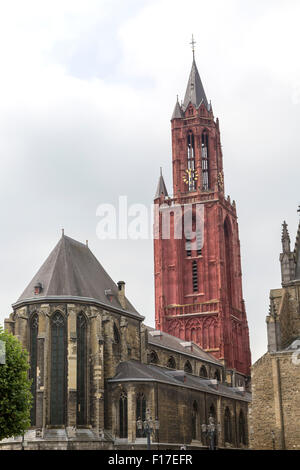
<point x="81" y="369"/>
<point x="191" y="161"/>
<point x="195" y="276"/>
<point x="205" y="161"/>
<point x="58" y="370"/>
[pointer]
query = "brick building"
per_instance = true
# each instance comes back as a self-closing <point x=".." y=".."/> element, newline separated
<point x="198" y="277"/>
<point x="275" y="411"/>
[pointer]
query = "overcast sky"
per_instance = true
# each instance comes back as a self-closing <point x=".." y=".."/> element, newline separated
<point x="87" y="89"/>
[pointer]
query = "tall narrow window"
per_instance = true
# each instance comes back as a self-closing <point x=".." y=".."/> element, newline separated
<point x="81" y="369"/>
<point x="195" y="421"/>
<point x="212" y="414"/>
<point x="140" y="412"/>
<point x="228" y="259"/>
<point x="227" y="426"/>
<point x="191" y="161"/>
<point x="242" y="429"/>
<point x="116" y="334"/>
<point x="195" y="276"/>
<point x="123" y="416"/>
<point x="205" y="161"/>
<point x="33" y="364"/>
<point x="203" y="372"/>
<point x="58" y="370"/>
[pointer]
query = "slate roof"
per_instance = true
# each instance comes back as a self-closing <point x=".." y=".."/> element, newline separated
<point x="177" y="113"/>
<point x="161" y="187"/>
<point x="171" y="342"/>
<point x="71" y="270"/>
<point x="132" y="371"/>
<point x="194" y="91"/>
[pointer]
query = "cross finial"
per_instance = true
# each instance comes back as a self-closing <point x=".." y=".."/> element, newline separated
<point x="193" y="42"/>
<point x="298" y="210"/>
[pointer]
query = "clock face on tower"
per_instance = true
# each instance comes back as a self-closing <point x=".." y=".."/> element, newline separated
<point x="190" y="177"/>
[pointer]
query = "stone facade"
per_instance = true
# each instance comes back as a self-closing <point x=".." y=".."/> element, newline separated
<point x="182" y="401"/>
<point x="274" y="414"/>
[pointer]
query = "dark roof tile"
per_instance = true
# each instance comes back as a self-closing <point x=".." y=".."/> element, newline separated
<point x="71" y="269"/>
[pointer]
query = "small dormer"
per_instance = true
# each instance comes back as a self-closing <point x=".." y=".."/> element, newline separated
<point x="38" y="288"/>
<point x="188" y="345"/>
<point x="156" y="333"/>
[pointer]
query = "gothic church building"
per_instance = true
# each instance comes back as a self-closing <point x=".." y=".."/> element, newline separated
<point x="96" y="368"/>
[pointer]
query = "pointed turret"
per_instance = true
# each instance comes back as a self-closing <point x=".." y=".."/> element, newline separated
<point x="161" y="187"/>
<point x="177" y="113"/>
<point x="195" y="93"/>
<point x="297" y="252"/>
<point x="287" y="258"/>
<point x="285" y="239"/>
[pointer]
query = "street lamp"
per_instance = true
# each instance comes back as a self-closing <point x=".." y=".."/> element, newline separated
<point x="149" y="426"/>
<point x="210" y="431"/>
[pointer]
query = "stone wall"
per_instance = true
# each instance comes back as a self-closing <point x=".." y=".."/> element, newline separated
<point x="174" y="407"/>
<point x="275" y="402"/>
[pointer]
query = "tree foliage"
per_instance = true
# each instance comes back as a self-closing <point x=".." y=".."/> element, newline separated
<point x="15" y="395"/>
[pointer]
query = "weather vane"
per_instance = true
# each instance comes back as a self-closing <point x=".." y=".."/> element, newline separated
<point x="193" y="42"/>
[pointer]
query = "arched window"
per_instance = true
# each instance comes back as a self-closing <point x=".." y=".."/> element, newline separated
<point x="242" y="429"/>
<point x="123" y="416"/>
<point x="191" y="161"/>
<point x="81" y="369"/>
<point x="195" y="276"/>
<point x="195" y="421"/>
<point x="205" y="161"/>
<point x="171" y="363"/>
<point x="227" y="426"/>
<point x="203" y="372"/>
<point x="153" y="358"/>
<point x="188" y="367"/>
<point x="34" y="323"/>
<point x="58" y="370"/>
<point x="140" y="412"/>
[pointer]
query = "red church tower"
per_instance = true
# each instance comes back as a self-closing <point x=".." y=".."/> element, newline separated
<point x="198" y="284"/>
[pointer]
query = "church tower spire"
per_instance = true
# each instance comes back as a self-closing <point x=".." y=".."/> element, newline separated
<point x="198" y="280"/>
